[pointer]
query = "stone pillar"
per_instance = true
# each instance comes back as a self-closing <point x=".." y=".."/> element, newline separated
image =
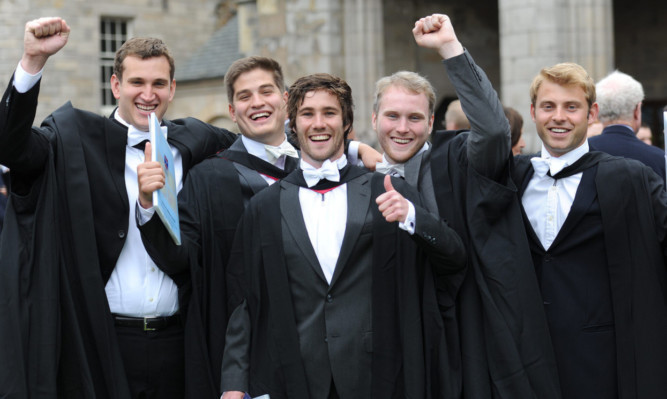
<point x="364" y="59"/>
<point x="537" y="34"/>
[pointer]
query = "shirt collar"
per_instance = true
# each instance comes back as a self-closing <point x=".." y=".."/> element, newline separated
<point x="570" y="157"/>
<point x="256" y="148"/>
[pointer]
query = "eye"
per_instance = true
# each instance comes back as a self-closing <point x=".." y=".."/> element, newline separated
<point x="416" y="118"/>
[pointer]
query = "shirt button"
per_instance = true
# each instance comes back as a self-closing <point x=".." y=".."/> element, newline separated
<point x="329" y="298"/>
<point x="150" y="299"/>
<point x="121" y="234"/>
<point x="152" y="269"/>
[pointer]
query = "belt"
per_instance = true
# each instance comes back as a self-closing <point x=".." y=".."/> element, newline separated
<point x="147" y="323"/>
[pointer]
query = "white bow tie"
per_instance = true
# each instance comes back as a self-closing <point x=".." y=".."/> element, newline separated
<point x="273" y="152"/>
<point x="544" y="165"/>
<point x="136" y="136"/>
<point x="391" y="169"/>
<point x="328" y="171"/>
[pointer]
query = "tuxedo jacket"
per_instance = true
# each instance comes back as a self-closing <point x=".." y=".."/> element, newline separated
<point x="603" y="281"/>
<point x="210" y="206"/>
<point x="358" y="331"/>
<point x="69" y="190"/>
<point x="621" y="141"/>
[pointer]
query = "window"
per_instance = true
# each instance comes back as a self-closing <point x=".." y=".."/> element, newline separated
<point x="113" y="33"/>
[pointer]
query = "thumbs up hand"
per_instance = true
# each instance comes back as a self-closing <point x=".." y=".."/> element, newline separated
<point x="150" y="177"/>
<point x="392" y="204"/>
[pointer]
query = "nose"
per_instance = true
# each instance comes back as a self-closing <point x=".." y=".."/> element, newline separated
<point x="318" y="121"/>
<point x="402" y="126"/>
<point x="147" y="93"/>
<point x="559" y="114"/>
<point x="256" y="100"/>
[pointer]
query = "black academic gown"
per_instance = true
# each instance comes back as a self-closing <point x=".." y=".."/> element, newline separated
<point x="210" y="205"/>
<point x="505" y="346"/>
<point x="633" y="209"/>
<point x="257" y="274"/>
<point x="57" y="337"/>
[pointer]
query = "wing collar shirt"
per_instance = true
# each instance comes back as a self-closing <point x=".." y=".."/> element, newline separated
<point x="547" y="201"/>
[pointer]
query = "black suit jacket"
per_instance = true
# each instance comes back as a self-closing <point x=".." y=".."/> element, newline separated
<point x="68" y="186"/>
<point x="334" y="334"/>
<point x="621" y="141"/>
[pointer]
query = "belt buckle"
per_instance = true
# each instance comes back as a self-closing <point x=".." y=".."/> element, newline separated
<point x="146" y="325"/>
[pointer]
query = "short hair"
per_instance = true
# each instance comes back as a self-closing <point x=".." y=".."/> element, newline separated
<point x="618" y="95"/>
<point x="321" y="81"/>
<point x="455" y="114"/>
<point x="516" y="123"/>
<point x="248" y="64"/>
<point x="565" y="74"/>
<point x="142" y="47"/>
<point x="408" y="80"/>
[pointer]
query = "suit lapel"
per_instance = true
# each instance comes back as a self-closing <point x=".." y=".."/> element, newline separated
<point x="253" y="178"/>
<point x="358" y="202"/>
<point x="583" y="200"/>
<point x="290" y="209"/>
<point x="116" y="141"/>
<point x="412" y="168"/>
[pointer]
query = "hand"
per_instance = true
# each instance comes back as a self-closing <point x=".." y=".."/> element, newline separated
<point x="233" y="395"/>
<point x="3" y="191"/>
<point x="150" y="177"/>
<point x="436" y="32"/>
<point x="392" y="204"/>
<point x="369" y="156"/>
<point x="42" y="38"/>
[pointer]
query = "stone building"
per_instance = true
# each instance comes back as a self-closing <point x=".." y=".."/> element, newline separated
<point x="359" y="40"/>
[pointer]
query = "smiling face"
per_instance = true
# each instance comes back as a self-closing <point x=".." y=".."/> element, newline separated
<point x="259" y="107"/>
<point x="402" y="123"/>
<point x="561" y="115"/>
<point x="320" y="128"/>
<point x="146" y="87"/>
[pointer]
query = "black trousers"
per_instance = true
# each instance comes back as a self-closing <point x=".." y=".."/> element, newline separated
<point x="154" y="361"/>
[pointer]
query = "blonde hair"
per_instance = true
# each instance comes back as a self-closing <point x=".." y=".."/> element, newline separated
<point x="565" y="74"/>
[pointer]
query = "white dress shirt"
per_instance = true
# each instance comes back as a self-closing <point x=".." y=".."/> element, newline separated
<point x="137" y="287"/>
<point x="325" y="216"/>
<point x="547" y="201"/>
<point x="257" y="149"/>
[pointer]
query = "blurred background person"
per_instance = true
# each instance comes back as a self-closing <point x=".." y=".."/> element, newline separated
<point x="644" y="134"/>
<point x="455" y="118"/>
<point x="516" y="129"/>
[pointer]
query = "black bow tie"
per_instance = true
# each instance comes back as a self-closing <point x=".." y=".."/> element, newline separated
<point x="141" y="146"/>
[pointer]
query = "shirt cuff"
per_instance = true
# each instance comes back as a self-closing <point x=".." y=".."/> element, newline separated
<point x="144" y="215"/>
<point x="410" y="222"/>
<point x="23" y="81"/>
<point x="353" y="154"/>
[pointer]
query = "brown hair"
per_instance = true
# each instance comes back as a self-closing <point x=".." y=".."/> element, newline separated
<point x="516" y="123"/>
<point x="142" y="47"/>
<point x="248" y="64"/>
<point x="565" y="74"/>
<point x="321" y="81"/>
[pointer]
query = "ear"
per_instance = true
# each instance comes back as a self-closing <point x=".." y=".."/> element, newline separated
<point x="593" y="112"/>
<point x="430" y="123"/>
<point x="374" y="119"/>
<point x="532" y="112"/>
<point x="172" y="89"/>
<point x="115" y="86"/>
<point x="232" y="113"/>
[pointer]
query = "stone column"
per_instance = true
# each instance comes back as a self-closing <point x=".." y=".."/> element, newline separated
<point x="535" y="34"/>
<point x="364" y="59"/>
